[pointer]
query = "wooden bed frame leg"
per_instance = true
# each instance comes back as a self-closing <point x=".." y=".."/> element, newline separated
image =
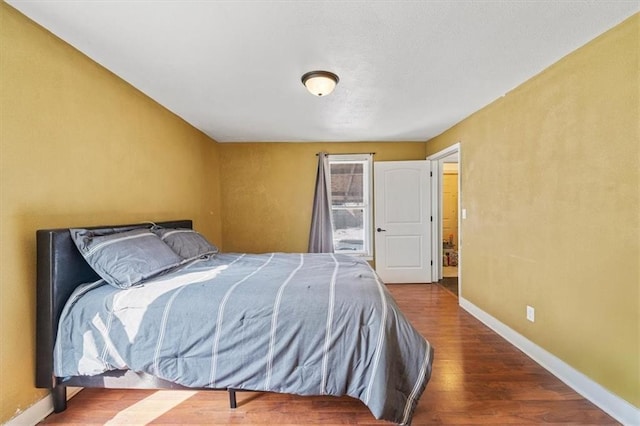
<point x="59" y="394"/>
<point x="232" y="398"/>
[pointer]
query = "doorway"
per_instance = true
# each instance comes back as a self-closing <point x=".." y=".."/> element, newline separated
<point x="446" y="218"/>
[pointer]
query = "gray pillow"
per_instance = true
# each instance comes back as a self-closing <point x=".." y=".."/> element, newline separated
<point x="187" y="243"/>
<point x="125" y="259"/>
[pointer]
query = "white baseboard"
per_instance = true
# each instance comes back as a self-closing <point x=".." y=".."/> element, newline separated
<point x="39" y="411"/>
<point x="616" y="407"/>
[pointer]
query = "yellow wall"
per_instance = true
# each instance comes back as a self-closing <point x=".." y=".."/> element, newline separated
<point x="550" y="181"/>
<point x="78" y="146"/>
<point x="450" y="207"/>
<point x="268" y="189"/>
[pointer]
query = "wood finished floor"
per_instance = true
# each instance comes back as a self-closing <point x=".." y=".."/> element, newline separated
<point x="478" y="378"/>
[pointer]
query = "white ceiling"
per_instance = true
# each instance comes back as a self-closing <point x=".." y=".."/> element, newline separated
<point x="408" y="69"/>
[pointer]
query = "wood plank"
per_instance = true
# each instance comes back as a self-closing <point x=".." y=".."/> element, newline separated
<point x="478" y="379"/>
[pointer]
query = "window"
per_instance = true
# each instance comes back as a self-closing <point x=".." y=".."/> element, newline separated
<point x="351" y="212"/>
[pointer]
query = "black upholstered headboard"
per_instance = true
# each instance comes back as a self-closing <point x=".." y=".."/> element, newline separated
<point x="61" y="268"/>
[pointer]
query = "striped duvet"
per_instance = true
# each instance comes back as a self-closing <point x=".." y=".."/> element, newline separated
<point x="307" y="324"/>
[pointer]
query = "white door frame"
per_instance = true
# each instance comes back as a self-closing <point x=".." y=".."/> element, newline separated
<point x="436" y="206"/>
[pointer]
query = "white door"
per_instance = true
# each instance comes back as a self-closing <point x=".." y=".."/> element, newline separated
<point x="403" y="221"/>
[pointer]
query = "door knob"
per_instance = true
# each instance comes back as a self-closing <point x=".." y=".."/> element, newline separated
<point x="381" y="230"/>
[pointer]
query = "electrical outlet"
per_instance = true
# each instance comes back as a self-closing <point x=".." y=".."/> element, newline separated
<point x="531" y="313"/>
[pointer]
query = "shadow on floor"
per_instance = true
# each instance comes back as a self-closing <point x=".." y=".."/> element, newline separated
<point x="451" y="284"/>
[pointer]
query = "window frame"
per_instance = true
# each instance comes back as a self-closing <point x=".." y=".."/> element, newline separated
<point x="367" y="199"/>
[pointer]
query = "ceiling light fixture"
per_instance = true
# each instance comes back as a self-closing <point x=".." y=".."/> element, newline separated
<point x="320" y="83"/>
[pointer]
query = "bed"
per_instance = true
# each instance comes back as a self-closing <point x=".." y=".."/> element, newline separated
<point x="305" y="324"/>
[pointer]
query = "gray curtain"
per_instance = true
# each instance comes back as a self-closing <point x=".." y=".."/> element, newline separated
<point x="321" y="235"/>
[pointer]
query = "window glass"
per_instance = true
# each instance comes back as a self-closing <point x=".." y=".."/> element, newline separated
<point x="348" y="230"/>
<point x="347" y="184"/>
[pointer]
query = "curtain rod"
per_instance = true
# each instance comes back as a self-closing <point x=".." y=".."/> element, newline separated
<point x="348" y="153"/>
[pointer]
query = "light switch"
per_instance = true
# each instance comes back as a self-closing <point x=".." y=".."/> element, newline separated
<point x="464" y="213"/>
